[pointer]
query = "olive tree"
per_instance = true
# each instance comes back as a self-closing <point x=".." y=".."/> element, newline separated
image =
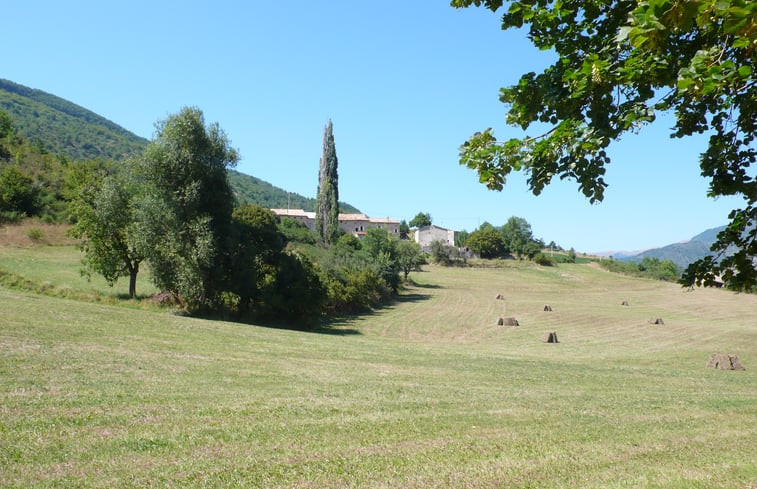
<point x="186" y="214"/>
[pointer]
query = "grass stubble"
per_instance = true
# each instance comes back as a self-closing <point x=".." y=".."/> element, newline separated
<point x="429" y="393"/>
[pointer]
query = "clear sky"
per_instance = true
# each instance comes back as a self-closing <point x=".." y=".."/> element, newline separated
<point x="404" y="82"/>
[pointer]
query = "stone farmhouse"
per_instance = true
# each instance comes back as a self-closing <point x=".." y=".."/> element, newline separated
<point x="425" y="235"/>
<point x="355" y="224"/>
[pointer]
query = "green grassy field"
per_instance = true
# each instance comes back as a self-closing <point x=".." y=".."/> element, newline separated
<point x="58" y="270"/>
<point x="427" y="392"/>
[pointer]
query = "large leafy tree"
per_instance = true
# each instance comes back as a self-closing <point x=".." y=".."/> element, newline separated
<point x="327" y="199"/>
<point x="517" y="235"/>
<point x="186" y="215"/>
<point x="409" y="256"/>
<point x="620" y="63"/>
<point x="486" y="242"/>
<point x="107" y="225"/>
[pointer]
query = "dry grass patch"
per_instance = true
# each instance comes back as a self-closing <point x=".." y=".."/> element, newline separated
<point x="31" y="232"/>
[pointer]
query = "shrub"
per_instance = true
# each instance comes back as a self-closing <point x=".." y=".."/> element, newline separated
<point x="34" y="234"/>
<point x="544" y="260"/>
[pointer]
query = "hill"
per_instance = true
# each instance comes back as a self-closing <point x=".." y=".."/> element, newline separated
<point x="426" y="393"/>
<point x="683" y="253"/>
<point x="249" y="189"/>
<point x="59" y="127"/>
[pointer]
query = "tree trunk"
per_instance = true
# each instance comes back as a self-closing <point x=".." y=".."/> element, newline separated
<point x="133" y="280"/>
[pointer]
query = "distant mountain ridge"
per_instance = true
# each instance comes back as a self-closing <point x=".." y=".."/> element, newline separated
<point x="683" y="253"/>
<point x="63" y="128"/>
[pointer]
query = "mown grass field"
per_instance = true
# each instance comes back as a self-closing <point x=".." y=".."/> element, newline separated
<point x="428" y="392"/>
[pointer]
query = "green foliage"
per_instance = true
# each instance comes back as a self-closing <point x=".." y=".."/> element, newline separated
<point x="531" y="249"/>
<point x="358" y="274"/>
<point x="619" y="64"/>
<point x="256" y="250"/>
<point x="516" y="234"/>
<point x="409" y="256"/>
<point x="296" y="231"/>
<point x="269" y="282"/>
<point x="460" y="238"/>
<point x="106" y="222"/>
<point x="35" y="234"/>
<point x="186" y="215"/>
<point x="327" y="207"/>
<point x="64" y="128"/>
<point x="352" y="290"/>
<point x="648" y="268"/>
<point x="294" y="291"/>
<point x="487" y="243"/>
<point x="543" y="260"/>
<point x="18" y="195"/>
<point x="6" y="125"/>
<point x="420" y="220"/>
<point x="572" y="255"/>
<point x="404" y="229"/>
<point x="251" y="190"/>
<point x="444" y="254"/>
<point x="382" y="248"/>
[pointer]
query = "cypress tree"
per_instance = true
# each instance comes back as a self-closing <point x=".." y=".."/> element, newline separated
<point x="327" y="200"/>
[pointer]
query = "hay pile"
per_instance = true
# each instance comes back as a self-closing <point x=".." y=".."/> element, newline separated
<point x="507" y="322"/>
<point x="547" y="308"/>
<point x="725" y="362"/>
<point x="656" y="321"/>
<point x="550" y="337"/>
<point x="500" y="297"/>
<point x="624" y="303"/>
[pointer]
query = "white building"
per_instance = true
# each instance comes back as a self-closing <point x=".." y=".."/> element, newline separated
<point x="355" y="224"/>
<point x="425" y="235"/>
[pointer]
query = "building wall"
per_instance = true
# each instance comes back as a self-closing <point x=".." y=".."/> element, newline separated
<point x="426" y="235"/>
<point x="355" y="224"/>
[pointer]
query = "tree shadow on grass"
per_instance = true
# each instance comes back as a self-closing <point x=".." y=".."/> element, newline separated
<point x="339" y="325"/>
<point x="424" y="286"/>
<point x="336" y="324"/>
<point x="318" y="325"/>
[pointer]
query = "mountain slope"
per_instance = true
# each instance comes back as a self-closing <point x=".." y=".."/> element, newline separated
<point x="64" y="128"/>
<point x="684" y="253"/>
<point x="249" y="189"/>
<point x="60" y="127"/>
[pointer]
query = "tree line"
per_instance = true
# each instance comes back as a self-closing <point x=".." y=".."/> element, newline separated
<point x="173" y="209"/>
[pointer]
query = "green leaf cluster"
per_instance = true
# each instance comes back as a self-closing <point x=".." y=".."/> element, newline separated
<point x="619" y="64"/>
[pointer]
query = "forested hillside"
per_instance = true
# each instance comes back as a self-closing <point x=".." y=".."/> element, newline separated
<point x="61" y="127"/>
<point x="50" y="132"/>
<point x="251" y="190"/>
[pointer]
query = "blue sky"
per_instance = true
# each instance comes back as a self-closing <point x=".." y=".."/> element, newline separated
<point x="404" y="82"/>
